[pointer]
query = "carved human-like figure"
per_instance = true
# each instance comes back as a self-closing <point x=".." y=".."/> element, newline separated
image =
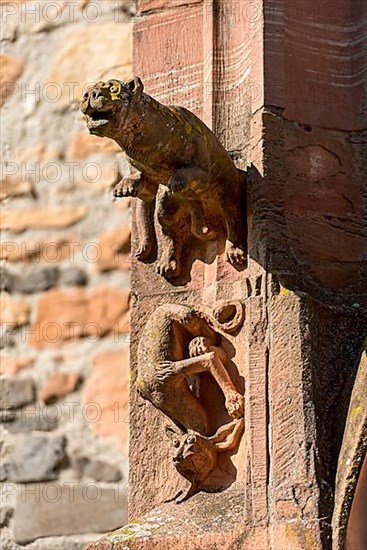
<point x="178" y="342"/>
<point x="204" y="193"/>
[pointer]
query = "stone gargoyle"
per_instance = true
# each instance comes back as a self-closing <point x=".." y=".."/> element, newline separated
<point x="185" y="178"/>
<point x="177" y="343"/>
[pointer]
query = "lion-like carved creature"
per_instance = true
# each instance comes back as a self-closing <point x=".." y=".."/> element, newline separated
<point x="203" y="193"/>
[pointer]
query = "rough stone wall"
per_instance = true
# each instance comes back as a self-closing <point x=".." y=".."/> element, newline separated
<point x="64" y="276"/>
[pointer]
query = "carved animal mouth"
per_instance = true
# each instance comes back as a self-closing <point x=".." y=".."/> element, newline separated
<point x="98" y="118"/>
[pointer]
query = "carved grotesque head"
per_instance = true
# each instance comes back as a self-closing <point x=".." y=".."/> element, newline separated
<point x="106" y="105"/>
<point x="194" y="456"/>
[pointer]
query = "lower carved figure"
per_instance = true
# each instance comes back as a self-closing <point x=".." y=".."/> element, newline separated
<point x="177" y="343"/>
<point x="195" y="456"/>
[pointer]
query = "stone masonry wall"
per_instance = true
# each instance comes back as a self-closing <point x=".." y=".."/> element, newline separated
<point x="64" y="276"/>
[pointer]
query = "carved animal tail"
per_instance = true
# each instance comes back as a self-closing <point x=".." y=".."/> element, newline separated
<point x="228" y="316"/>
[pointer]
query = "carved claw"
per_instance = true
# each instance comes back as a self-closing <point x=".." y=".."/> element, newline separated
<point x="184" y="495"/>
<point x="126" y="188"/>
<point x="235" y="255"/>
<point x="169" y="269"/>
<point x="235" y="404"/>
<point x="143" y="252"/>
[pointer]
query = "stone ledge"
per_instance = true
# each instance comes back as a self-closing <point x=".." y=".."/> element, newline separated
<point x="206" y="521"/>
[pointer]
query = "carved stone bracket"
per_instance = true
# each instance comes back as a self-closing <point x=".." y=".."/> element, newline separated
<point x="178" y="344"/>
<point x="186" y="184"/>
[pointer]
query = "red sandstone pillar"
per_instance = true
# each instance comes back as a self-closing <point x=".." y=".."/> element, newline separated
<point x="281" y="84"/>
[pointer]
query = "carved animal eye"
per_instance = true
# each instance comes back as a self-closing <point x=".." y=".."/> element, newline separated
<point x="176" y="443"/>
<point x="114" y="88"/>
<point x="191" y="439"/>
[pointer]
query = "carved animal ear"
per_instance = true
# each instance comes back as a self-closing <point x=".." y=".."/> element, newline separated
<point x="135" y="86"/>
<point x="227" y="437"/>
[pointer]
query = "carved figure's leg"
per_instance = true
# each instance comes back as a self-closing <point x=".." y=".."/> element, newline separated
<point x="236" y="244"/>
<point x="145" y="229"/>
<point x="212" y="362"/>
<point x="173" y="222"/>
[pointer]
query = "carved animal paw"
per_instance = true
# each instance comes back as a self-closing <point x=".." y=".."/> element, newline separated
<point x="168" y="268"/>
<point x="235" y="255"/>
<point x="126" y="188"/>
<point x="143" y="252"/>
<point x="235" y="404"/>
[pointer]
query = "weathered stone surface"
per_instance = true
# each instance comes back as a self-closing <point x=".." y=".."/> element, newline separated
<point x="115" y="249"/>
<point x="37" y="458"/>
<point x="82" y="57"/>
<point x="10" y="70"/>
<point x="68" y="315"/>
<point x="29" y="420"/>
<point x="39" y="280"/>
<point x="13" y="365"/>
<point x="41" y="218"/>
<point x="5" y="514"/>
<point x="33" y="282"/>
<point x="51" y="250"/>
<point x="96" y="469"/>
<point x="13" y="186"/>
<point x="108" y="388"/>
<point x="217" y="520"/>
<point x="16" y="392"/>
<point x="40" y="153"/>
<point x="73" y="276"/>
<point x="85" y="145"/>
<point x="58" y="385"/>
<point x="14" y="311"/>
<point x="64" y="509"/>
<point x="350" y="509"/>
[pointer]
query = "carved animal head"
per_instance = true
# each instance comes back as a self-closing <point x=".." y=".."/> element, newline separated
<point x="106" y="105"/>
<point x="195" y="456"/>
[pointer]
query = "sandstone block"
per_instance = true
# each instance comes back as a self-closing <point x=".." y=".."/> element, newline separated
<point x="65" y="509"/>
<point x="52" y="250"/>
<point x="13" y="186"/>
<point x="36" y="458"/>
<point x="65" y="316"/>
<point x="58" y="385"/>
<point x="41" y="218"/>
<point x="14" y="311"/>
<point x="12" y="365"/>
<point x="39" y="153"/>
<point x="85" y="145"/>
<point x="10" y="70"/>
<point x="108" y="388"/>
<point x="96" y="469"/>
<point x="16" y="393"/>
<point x="96" y="52"/>
<point x="115" y="249"/>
